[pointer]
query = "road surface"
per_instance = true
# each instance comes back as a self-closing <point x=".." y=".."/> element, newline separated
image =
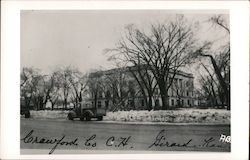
<point x="97" y="136"/>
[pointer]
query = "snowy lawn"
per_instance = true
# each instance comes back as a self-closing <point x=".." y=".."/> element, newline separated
<point x="171" y="116"/>
<point x="48" y="114"/>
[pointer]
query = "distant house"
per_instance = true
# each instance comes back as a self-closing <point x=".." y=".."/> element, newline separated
<point x="118" y="87"/>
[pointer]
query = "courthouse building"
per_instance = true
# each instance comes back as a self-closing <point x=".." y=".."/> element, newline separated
<point x="119" y="87"/>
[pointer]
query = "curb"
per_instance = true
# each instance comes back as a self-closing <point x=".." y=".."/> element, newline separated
<point x="165" y="123"/>
<point x="139" y="123"/>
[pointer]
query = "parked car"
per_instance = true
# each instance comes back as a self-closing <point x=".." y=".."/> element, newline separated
<point x="86" y="111"/>
<point x="24" y="110"/>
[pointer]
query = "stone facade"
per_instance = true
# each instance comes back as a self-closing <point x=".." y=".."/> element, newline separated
<point x="118" y="87"/>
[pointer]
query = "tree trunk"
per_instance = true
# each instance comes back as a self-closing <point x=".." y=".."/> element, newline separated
<point x="65" y="103"/>
<point x="95" y="100"/>
<point x="150" y="103"/>
<point x="221" y="80"/>
<point x="52" y="106"/>
<point x="164" y="95"/>
<point x="228" y="100"/>
<point x="164" y="98"/>
<point x="165" y="104"/>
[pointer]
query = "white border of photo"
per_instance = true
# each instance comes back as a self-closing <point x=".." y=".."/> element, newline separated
<point x="10" y="75"/>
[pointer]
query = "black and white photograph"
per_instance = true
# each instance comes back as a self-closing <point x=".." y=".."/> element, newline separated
<point x="130" y="80"/>
<point x="124" y="81"/>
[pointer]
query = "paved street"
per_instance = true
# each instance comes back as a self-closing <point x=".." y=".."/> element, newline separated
<point x="55" y="135"/>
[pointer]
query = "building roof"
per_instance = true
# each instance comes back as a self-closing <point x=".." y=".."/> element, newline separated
<point x="129" y="68"/>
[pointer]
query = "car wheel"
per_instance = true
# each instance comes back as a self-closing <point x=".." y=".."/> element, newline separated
<point x="27" y="115"/>
<point x="70" y="117"/>
<point x="82" y="118"/>
<point x="99" y="118"/>
<point x="88" y="118"/>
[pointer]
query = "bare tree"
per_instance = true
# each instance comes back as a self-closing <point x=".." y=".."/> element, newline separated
<point x="27" y="88"/>
<point x="32" y="89"/>
<point x="40" y="89"/>
<point x="78" y="83"/>
<point x="95" y="86"/>
<point x="179" y="90"/>
<point x="141" y="74"/>
<point x="165" y="49"/>
<point x="65" y="75"/>
<point x="146" y="82"/>
<point x="221" y="62"/>
<point x="209" y="90"/>
<point x="116" y="84"/>
<point x="53" y="91"/>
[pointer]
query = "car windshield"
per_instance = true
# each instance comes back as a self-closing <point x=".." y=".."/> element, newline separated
<point x="86" y="105"/>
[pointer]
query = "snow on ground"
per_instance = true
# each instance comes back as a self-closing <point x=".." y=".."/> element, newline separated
<point x="48" y="114"/>
<point x="170" y="116"/>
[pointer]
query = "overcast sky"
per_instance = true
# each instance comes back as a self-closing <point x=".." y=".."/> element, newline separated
<point x="51" y="39"/>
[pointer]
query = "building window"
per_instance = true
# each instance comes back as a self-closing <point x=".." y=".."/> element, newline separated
<point x="188" y="102"/>
<point x="142" y="103"/>
<point x="187" y="93"/>
<point x="172" y="102"/>
<point x="99" y="104"/>
<point x="157" y="103"/>
<point x="131" y="103"/>
<point x="178" y="102"/>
